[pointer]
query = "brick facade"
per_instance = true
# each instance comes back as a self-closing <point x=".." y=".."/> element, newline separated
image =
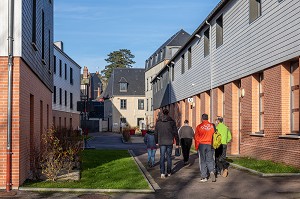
<point x="26" y="128"/>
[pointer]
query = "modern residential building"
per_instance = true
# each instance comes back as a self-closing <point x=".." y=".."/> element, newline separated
<point x="124" y="98"/>
<point x="156" y="62"/>
<point x="26" y="85"/>
<point x="241" y="63"/>
<point x="66" y="90"/>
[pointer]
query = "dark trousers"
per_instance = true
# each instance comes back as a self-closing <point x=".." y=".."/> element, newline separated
<point x="186" y="144"/>
<point x="220" y="155"/>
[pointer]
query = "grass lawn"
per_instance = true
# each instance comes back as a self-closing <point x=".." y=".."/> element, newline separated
<point x="263" y="166"/>
<point x="103" y="169"/>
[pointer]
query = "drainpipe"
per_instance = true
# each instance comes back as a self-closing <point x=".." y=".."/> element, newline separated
<point x="210" y="67"/>
<point x="9" y="97"/>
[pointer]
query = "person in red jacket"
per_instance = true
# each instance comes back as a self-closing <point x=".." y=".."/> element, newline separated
<point x="203" y="144"/>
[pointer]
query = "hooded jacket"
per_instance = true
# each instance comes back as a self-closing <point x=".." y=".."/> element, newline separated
<point x="149" y="139"/>
<point x="225" y="133"/>
<point x="166" y="131"/>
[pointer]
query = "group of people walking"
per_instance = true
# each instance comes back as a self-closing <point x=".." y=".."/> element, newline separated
<point x="165" y="134"/>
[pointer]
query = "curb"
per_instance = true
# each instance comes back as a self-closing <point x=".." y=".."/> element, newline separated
<point x="265" y="174"/>
<point x="153" y="185"/>
<point x="87" y="190"/>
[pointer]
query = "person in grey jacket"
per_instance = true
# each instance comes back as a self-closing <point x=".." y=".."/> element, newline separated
<point x="149" y="140"/>
<point x="165" y="132"/>
<point x="186" y="134"/>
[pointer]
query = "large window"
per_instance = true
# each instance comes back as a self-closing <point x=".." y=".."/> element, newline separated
<point x="219" y="31"/>
<point x="254" y="9"/>
<point x="123" y="87"/>
<point x="43" y="37"/>
<point x="71" y="75"/>
<point x="206" y="43"/>
<point x="71" y="100"/>
<point x="66" y="73"/>
<point x="60" y="96"/>
<point x="54" y="60"/>
<point x="66" y="98"/>
<point x="33" y="39"/>
<point x="294" y="97"/>
<point x="123" y="104"/>
<point x="182" y="64"/>
<point x="141" y="104"/>
<point x="147" y="105"/>
<point x="261" y="102"/>
<point x="54" y="95"/>
<point x="60" y="68"/>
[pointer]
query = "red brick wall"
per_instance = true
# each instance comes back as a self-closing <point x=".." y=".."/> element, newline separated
<point x="205" y="104"/>
<point x="25" y="82"/>
<point x="196" y="118"/>
<point x="63" y="115"/>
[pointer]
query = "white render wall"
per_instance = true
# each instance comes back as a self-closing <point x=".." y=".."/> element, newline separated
<point x="247" y="48"/>
<point x="64" y="84"/>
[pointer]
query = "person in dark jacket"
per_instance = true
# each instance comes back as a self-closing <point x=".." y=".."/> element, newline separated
<point x="149" y="140"/>
<point x="186" y="135"/>
<point x="165" y="132"/>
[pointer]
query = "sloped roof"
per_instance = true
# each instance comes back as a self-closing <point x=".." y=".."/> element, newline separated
<point x="135" y="77"/>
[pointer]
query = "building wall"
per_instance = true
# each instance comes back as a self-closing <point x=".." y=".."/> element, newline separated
<point x="26" y="136"/>
<point x="65" y="85"/>
<point x="68" y="120"/>
<point x="131" y="113"/>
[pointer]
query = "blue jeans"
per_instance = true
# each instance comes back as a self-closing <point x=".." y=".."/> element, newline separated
<point x="166" y="152"/>
<point x="206" y="159"/>
<point x="151" y="156"/>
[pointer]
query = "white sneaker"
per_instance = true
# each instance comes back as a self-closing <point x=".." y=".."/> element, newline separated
<point x="203" y="180"/>
<point x="169" y="174"/>
<point x="162" y="176"/>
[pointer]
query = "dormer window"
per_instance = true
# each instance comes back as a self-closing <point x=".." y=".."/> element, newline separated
<point x="123" y="87"/>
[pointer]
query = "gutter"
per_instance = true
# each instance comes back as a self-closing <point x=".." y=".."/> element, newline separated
<point x="9" y="97"/>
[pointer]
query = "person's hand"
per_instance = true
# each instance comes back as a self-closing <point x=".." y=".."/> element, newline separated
<point x="177" y="146"/>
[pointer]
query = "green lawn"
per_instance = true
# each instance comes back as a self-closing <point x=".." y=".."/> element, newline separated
<point x="103" y="169"/>
<point x="263" y="166"/>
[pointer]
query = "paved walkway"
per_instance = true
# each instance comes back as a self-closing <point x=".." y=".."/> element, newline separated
<point x="185" y="180"/>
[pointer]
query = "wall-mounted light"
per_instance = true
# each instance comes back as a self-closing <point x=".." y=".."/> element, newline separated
<point x="242" y="92"/>
<point x="197" y="35"/>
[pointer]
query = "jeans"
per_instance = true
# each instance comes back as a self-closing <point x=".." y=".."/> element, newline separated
<point x="206" y="159"/>
<point x="166" y="152"/>
<point x="151" y="156"/>
<point x="186" y="144"/>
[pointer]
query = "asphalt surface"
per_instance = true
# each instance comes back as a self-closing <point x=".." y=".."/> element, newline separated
<point x="185" y="180"/>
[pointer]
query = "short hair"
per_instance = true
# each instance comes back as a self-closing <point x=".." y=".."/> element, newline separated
<point x="186" y="121"/>
<point x="204" y="116"/>
<point x="220" y="119"/>
<point x="165" y="111"/>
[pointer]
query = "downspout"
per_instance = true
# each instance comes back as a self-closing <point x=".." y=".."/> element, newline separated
<point x="9" y="97"/>
<point x="210" y="67"/>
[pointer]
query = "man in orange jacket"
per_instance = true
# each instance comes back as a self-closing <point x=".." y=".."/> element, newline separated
<point x="203" y="144"/>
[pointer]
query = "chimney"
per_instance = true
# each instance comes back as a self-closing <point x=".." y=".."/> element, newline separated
<point x="85" y="73"/>
<point x="60" y="45"/>
<point x="98" y="92"/>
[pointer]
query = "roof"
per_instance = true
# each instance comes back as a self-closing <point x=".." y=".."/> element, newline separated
<point x="135" y="77"/>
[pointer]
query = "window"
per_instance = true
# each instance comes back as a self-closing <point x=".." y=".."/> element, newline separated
<point x="219" y="31"/>
<point x="71" y="100"/>
<point x="60" y="68"/>
<point x="66" y="75"/>
<point x="54" y="95"/>
<point x="66" y="98"/>
<point x="71" y="75"/>
<point x="60" y="96"/>
<point x="147" y="83"/>
<point x="147" y="105"/>
<point x="189" y="58"/>
<point x="43" y="37"/>
<point x="182" y="64"/>
<point x="206" y="43"/>
<point x="294" y="97"/>
<point x="49" y="51"/>
<point x="151" y="104"/>
<point x="54" y="60"/>
<point x="151" y="83"/>
<point x="261" y="102"/>
<point x="140" y="104"/>
<point x="123" y="104"/>
<point x="254" y="9"/>
<point x="173" y="75"/>
<point x="33" y="39"/>
<point x="123" y="87"/>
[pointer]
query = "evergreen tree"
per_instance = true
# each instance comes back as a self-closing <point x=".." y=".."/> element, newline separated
<point x="118" y="59"/>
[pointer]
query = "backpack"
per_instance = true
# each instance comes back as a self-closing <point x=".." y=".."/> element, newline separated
<point x="216" y="140"/>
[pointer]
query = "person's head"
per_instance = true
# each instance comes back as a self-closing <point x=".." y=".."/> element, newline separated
<point x="220" y="119"/>
<point x="151" y="126"/>
<point x="165" y="111"/>
<point x="186" y="122"/>
<point x="204" y="116"/>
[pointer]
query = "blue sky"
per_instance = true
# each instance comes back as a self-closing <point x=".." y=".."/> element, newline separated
<point x="91" y="29"/>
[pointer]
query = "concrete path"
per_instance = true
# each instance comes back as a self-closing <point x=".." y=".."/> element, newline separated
<point x="185" y="180"/>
